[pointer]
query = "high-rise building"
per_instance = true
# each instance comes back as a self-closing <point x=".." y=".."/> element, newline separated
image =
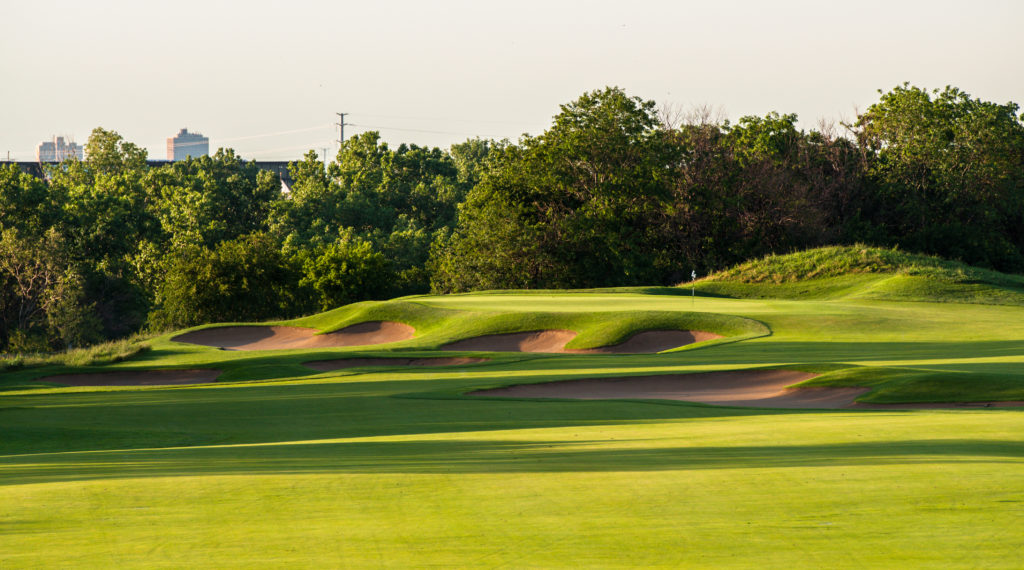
<point x="187" y="144"/>
<point x="58" y="150"/>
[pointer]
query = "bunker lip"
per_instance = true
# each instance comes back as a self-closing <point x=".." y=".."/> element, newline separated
<point x="136" y="378"/>
<point x="744" y="388"/>
<point x="532" y="341"/>
<point x="645" y="342"/>
<point x="259" y="337"/>
<point x="652" y="341"/>
<point x="342" y="363"/>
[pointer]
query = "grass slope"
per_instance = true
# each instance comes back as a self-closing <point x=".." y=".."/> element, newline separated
<point x="865" y="273"/>
<point x="278" y="465"/>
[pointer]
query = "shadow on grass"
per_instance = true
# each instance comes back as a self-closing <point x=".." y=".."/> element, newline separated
<point x="399" y="402"/>
<point x="776" y="350"/>
<point x="464" y="456"/>
<point x="240" y="366"/>
<point x="381" y="404"/>
<point x="245" y="366"/>
<point x="402" y="401"/>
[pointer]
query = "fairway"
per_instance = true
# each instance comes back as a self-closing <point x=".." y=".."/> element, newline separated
<point x="390" y="463"/>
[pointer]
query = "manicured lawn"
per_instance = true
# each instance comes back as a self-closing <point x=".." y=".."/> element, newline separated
<point x="282" y="466"/>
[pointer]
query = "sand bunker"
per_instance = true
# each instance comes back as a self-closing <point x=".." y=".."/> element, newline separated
<point x="136" y="378"/>
<point x="649" y="342"/>
<point x="341" y="363"/>
<point x="646" y="342"/>
<point x="535" y="341"/>
<point x="751" y="388"/>
<point x="278" y="338"/>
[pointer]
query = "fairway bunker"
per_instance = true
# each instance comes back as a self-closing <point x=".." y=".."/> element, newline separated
<point x="746" y="388"/>
<point x="135" y="378"/>
<point x="280" y="338"/>
<point x="646" y="342"/>
<point x="649" y="342"/>
<point x="533" y="341"/>
<point x="342" y="363"/>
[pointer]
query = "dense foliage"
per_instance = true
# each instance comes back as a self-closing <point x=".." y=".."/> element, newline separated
<point x="107" y="246"/>
<point x="611" y="194"/>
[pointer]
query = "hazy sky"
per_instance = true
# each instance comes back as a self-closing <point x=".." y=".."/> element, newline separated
<point x="266" y="77"/>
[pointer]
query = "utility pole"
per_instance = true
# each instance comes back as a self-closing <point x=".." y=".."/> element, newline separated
<point x="341" y="126"/>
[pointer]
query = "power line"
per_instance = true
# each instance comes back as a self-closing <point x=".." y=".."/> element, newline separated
<point x="270" y="150"/>
<point x="445" y="119"/>
<point x="274" y="134"/>
<point x="383" y="128"/>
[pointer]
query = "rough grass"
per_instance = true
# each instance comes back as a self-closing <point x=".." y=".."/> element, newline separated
<point x="104" y="353"/>
<point x="835" y="261"/>
<point x="864" y="272"/>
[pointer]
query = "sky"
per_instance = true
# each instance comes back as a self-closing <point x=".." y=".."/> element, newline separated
<point x="268" y="77"/>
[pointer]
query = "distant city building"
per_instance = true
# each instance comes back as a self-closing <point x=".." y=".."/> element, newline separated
<point x="187" y="144"/>
<point x="58" y="150"/>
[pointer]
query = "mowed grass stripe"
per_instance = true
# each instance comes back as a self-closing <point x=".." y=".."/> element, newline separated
<point x="792" y="489"/>
<point x="394" y="467"/>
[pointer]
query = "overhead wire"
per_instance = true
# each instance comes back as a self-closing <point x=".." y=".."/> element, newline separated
<point x="445" y="119"/>
<point x="283" y="149"/>
<point x="429" y="131"/>
<point x="277" y="133"/>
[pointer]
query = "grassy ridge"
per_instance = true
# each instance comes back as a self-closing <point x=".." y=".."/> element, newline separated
<point x="860" y="272"/>
<point x="436" y="326"/>
<point x="835" y="261"/>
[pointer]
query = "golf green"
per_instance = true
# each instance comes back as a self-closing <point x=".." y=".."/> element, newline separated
<point x="276" y="464"/>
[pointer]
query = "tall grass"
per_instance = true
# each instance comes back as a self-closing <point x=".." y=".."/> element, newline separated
<point x="835" y="261"/>
<point x="103" y="353"/>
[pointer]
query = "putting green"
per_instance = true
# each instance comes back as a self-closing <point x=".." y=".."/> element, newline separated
<point x="277" y="464"/>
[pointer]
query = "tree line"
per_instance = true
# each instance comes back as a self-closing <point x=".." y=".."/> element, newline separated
<point x="614" y="192"/>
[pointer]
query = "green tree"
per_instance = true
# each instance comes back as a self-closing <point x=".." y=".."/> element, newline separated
<point x="946" y="173"/>
<point x="26" y="202"/>
<point x="471" y="159"/>
<point x="107" y="211"/>
<point x="757" y="187"/>
<point x="244" y="279"/>
<point x="347" y="271"/>
<point x="396" y="200"/>
<point x="42" y="301"/>
<point x="569" y="208"/>
<point x="308" y="213"/>
<point x="106" y="152"/>
<point x="106" y="207"/>
<point x="211" y="199"/>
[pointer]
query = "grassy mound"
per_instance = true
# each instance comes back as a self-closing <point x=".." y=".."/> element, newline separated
<point x="861" y="272"/>
<point x="436" y="326"/>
